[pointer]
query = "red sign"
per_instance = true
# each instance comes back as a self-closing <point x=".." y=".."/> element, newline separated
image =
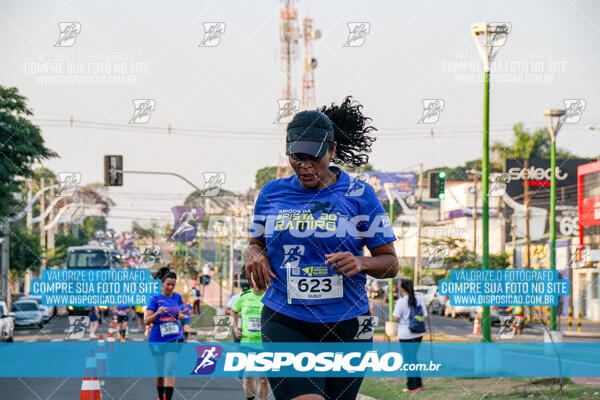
<point x="588" y="193"/>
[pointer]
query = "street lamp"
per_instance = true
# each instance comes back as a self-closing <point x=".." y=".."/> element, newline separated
<point x="554" y="121"/>
<point x="489" y="37"/>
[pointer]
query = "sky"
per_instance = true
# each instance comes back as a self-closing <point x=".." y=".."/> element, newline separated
<point x="222" y="100"/>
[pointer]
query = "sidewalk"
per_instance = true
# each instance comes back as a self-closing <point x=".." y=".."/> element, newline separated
<point x="592" y="382"/>
<point x="211" y="295"/>
<point x="589" y="328"/>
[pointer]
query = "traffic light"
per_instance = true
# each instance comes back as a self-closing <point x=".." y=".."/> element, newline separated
<point x="442" y="179"/>
<point x="437" y="185"/>
<point x="113" y="167"/>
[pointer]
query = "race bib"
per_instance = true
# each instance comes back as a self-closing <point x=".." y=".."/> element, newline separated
<point x="254" y="324"/>
<point x="313" y="285"/>
<point x="169" y="328"/>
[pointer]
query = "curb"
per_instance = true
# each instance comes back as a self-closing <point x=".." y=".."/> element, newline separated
<point x="364" y="397"/>
<point x="581" y="334"/>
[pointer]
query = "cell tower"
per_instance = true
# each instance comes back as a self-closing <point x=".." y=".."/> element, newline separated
<point x="309" y="64"/>
<point x="289" y="35"/>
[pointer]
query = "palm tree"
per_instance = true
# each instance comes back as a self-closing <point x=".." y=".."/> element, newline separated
<point x="528" y="145"/>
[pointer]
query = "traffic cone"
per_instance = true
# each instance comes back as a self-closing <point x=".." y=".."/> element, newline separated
<point x="90" y="389"/>
<point x="101" y="343"/>
<point x="110" y="343"/>
<point x="477" y="326"/>
<point x="101" y="358"/>
<point x="91" y="367"/>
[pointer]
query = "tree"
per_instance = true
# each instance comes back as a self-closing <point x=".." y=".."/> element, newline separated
<point x="21" y="145"/>
<point x="364" y="168"/>
<point x="196" y="195"/>
<point x="63" y="242"/>
<point x="25" y="250"/>
<point x="264" y="175"/>
<point x="149" y="232"/>
<point x="529" y="145"/>
<point x="91" y="224"/>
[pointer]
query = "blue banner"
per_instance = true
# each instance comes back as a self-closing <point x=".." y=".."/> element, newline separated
<point x="95" y="287"/>
<point x="504" y="287"/>
<point x="299" y="359"/>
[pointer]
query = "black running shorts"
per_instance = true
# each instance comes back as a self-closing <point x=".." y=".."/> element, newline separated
<point x="278" y="327"/>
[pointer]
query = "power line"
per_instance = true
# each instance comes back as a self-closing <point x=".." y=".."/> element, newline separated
<point x="387" y="133"/>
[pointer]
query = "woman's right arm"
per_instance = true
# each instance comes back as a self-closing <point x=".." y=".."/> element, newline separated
<point x="258" y="267"/>
<point x="150" y="316"/>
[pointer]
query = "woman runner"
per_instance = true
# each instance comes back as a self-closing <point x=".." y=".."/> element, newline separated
<point x="307" y="238"/>
<point x="166" y="335"/>
<point x="409" y="341"/>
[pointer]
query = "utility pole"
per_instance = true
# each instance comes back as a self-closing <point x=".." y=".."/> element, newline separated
<point x="489" y="38"/>
<point x="554" y="120"/>
<point x="527" y="213"/>
<point x="29" y="223"/>
<point x="51" y="230"/>
<point x="475" y="213"/>
<point x="417" y="268"/>
<point x="231" y="255"/>
<point x="4" y="290"/>
<point x="43" y="221"/>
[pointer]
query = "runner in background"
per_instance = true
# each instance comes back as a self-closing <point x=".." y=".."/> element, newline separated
<point x="228" y="307"/>
<point x="186" y="309"/>
<point x="229" y="311"/>
<point x="166" y="335"/>
<point x="94" y="316"/>
<point x="197" y="299"/>
<point x="122" y="318"/>
<point x="139" y="314"/>
<point x="248" y="307"/>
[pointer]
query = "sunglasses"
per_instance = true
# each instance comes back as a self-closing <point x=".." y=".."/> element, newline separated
<point x="301" y="157"/>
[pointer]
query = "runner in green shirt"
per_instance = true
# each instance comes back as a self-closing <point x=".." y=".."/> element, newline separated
<point x="249" y="307"/>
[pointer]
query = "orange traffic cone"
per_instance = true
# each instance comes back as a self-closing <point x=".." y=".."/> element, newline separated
<point x="90" y="386"/>
<point x="110" y="343"/>
<point x="90" y="389"/>
<point x="477" y="326"/>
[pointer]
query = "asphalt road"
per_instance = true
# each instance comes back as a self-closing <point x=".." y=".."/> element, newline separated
<point x="186" y="388"/>
<point x="463" y="328"/>
<point x="112" y="388"/>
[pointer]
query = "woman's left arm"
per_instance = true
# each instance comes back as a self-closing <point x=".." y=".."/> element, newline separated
<point x="382" y="263"/>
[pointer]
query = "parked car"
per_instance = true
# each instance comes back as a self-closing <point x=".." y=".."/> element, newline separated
<point x="7" y="324"/>
<point x="435" y="303"/>
<point x="495" y="313"/>
<point x="454" y="311"/>
<point x="47" y="311"/>
<point x="427" y="292"/>
<point x="27" y="313"/>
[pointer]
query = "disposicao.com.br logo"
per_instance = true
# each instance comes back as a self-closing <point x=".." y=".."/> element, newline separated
<point x="351" y="362"/>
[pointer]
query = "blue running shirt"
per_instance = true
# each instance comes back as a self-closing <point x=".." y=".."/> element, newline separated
<point x="299" y="226"/>
<point x="169" y="317"/>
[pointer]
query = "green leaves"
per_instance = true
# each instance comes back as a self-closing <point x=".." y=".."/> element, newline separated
<point x="21" y="145"/>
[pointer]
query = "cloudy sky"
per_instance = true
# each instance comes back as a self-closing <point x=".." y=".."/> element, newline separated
<point x="221" y="101"/>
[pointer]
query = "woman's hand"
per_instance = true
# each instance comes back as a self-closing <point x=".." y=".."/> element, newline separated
<point x="258" y="267"/>
<point x="345" y="263"/>
<point x="161" y="310"/>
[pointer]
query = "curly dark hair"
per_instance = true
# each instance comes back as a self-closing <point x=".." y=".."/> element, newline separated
<point x="351" y="130"/>
<point x="164" y="273"/>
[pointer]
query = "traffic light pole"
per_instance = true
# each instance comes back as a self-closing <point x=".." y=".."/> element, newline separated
<point x="391" y="280"/>
<point x="553" y="221"/>
<point x="163" y="173"/>
<point x="485" y="318"/>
